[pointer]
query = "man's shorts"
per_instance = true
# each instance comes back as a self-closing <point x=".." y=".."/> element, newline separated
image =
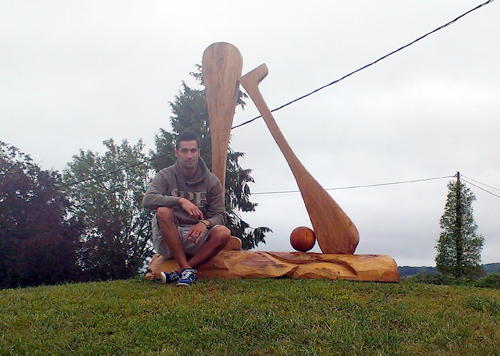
<point x="190" y="248"/>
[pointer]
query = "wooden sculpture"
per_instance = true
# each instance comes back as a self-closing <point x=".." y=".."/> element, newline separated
<point x="334" y="230"/>
<point x="260" y="264"/>
<point x="336" y="234"/>
<point x="221" y="66"/>
<point x="302" y="239"/>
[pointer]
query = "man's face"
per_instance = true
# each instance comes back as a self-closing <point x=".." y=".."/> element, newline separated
<point x="187" y="154"/>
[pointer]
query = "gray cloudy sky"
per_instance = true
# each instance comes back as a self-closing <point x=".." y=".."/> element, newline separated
<point x="75" y="73"/>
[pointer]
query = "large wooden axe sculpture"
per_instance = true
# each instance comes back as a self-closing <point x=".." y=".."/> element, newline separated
<point x="221" y="66"/>
<point x="334" y="230"/>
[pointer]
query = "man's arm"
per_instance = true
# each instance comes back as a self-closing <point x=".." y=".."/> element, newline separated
<point x="216" y="210"/>
<point x="193" y="211"/>
<point x="155" y="198"/>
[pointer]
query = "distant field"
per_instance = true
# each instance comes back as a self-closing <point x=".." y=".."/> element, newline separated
<point x="250" y="317"/>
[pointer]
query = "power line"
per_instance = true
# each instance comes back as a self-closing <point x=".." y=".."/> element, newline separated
<point x="498" y="196"/>
<point x="370" y="64"/>
<point x="359" y="186"/>
<point x="486" y="185"/>
<point x="300" y="98"/>
<point x="113" y="172"/>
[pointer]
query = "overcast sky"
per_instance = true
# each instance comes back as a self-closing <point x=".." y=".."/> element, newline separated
<point x="75" y="73"/>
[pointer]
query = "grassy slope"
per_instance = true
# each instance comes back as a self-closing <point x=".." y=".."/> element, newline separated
<point x="249" y="317"/>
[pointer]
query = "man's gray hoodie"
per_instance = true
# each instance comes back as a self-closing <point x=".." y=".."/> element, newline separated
<point x="204" y="190"/>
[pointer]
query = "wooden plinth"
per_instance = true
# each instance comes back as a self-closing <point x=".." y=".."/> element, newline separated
<point x="258" y="264"/>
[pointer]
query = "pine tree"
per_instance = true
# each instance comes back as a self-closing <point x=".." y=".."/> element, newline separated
<point x="190" y="113"/>
<point x="459" y="246"/>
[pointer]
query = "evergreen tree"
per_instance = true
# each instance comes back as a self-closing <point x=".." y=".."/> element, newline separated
<point x="459" y="246"/>
<point x="190" y="113"/>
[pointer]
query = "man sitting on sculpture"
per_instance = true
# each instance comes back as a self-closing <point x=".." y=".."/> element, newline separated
<point x="190" y="212"/>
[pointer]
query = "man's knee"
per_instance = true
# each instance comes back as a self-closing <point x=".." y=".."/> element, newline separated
<point x="165" y="215"/>
<point x="221" y="235"/>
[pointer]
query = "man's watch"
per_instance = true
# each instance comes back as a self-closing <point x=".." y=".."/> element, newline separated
<point x="206" y="223"/>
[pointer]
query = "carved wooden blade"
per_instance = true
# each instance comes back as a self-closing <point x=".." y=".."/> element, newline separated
<point x="334" y="231"/>
<point x="221" y="65"/>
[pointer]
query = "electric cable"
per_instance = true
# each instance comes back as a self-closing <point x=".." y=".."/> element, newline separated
<point x="113" y="172"/>
<point x="303" y="96"/>
<point x="369" y="64"/>
<point x="359" y="186"/>
<point x="486" y="185"/>
<point x="487" y="191"/>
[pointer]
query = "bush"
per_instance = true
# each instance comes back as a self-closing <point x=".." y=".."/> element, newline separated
<point x="492" y="280"/>
<point x="443" y="279"/>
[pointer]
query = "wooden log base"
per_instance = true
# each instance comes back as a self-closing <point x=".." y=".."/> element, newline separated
<point x="259" y="264"/>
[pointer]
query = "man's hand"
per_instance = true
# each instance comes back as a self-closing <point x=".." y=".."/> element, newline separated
<point x="193" y="211"/>
<point x="196" y="232"/>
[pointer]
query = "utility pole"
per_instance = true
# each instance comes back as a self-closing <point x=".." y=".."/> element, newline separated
<point x="459" y="243"/>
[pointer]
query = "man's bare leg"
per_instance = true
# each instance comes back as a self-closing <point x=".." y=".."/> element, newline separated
<point x="217" y="240"/>
<point x="171" y="237"/>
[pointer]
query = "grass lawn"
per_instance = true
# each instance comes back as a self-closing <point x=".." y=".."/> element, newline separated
<point x="250" y="317"/>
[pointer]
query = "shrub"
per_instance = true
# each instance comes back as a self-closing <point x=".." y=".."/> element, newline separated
<point x="492" y="280"/>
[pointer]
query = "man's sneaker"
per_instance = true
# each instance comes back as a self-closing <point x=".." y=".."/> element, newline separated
<point x="187" y="277"/>
<point x="169" y="277"/>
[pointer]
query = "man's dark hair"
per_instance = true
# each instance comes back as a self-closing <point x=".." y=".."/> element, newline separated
<point x="186" y="136"/>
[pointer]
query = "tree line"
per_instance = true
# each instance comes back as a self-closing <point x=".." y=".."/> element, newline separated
<point x="85" y="224"/>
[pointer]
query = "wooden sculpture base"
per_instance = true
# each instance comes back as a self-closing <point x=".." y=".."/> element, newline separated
<point x="257" y="264"/>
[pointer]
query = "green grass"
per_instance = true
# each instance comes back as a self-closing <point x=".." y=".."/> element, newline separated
<point x="250" y="317"/>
